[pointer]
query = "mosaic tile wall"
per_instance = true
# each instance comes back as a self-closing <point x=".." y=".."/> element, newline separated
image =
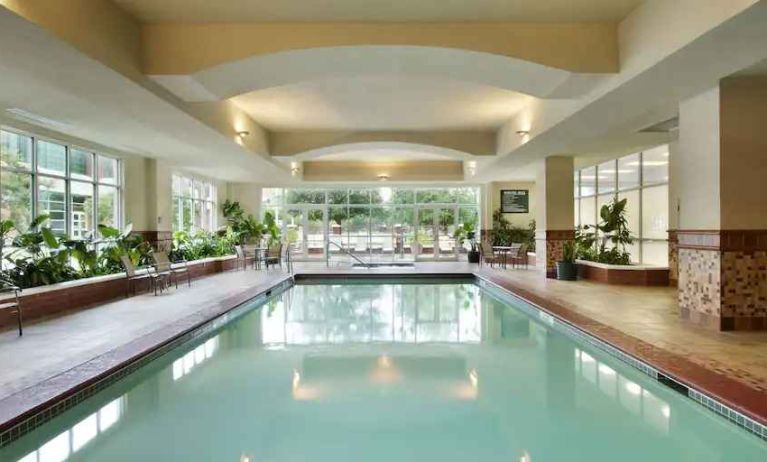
<point x="699" y="283"/>
<point x="552" y="246"/>
<point x="744" y="283"/>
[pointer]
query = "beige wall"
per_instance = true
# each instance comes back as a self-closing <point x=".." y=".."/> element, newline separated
<point x="249" y="196"/>
<point x="554" y="190"/>
<point x="695" y="167"/>
<point x="743" y="145"/>
<point x="492" y="202"/>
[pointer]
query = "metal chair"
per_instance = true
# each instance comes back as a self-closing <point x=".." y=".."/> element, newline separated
<point x="520" y="256"/>
<point x="240" y="253"/>
<point x="487" y="254"/>
<point x="13" y="305"/>
<point x="273" y="255"/>
<point x="163" y="265"/>
<point x="134" y="275"/>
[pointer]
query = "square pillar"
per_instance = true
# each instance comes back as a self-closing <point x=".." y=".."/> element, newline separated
<point x="555" y="222"/>
<point x="722" y="235"/>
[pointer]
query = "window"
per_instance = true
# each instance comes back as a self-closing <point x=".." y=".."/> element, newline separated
<point x="377" y="220"/>
<point x="44" y="177"/>
<point x="194" y="204"/>
<point x="642" y="179"/>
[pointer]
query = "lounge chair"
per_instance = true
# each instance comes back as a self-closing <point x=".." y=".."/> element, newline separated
<point x="134" y="275"/>
<point x="13" y="304"/>
<point x="163" y="265"/>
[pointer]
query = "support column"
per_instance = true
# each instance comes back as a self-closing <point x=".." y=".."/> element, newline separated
<point x="148" y="202"/>
<point x="555" y="215"/>
<point x="722" y="235"/>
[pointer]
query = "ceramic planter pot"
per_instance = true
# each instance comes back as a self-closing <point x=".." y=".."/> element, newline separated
<point x="567" y="271"/>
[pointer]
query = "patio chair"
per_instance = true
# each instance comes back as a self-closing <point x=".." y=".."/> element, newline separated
<point x="163" y="265"/>
<point x="520" y="256"/>
<point x="487" y="254"/>
<point x="13" y="304"/>
<point x="273" y="255"/>
<point x="134" y="275"/>
<point x="240" y="253"/>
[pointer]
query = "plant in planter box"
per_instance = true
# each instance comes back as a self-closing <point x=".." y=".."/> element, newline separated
<point x="566" y="268"/>
<point x="612" y="228"/>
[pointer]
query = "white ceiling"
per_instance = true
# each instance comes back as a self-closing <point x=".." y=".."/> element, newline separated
<point x="201" y="11"/>
<point x="84" y="99"/>
<point x="381" y="103"/>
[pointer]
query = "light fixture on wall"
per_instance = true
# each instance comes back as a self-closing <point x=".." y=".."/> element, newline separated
<point x="523" y="132"/>
<point x="243" y="133"/>
<point x="295" y="168"/>
<point x="383" y="177"/>
<point x="471" y="168"/>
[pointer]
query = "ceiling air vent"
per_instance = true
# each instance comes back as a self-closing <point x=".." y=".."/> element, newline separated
<point x="666" y="126"/>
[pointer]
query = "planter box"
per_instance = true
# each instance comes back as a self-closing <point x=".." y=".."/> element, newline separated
<point x="635" y="275"/>
<point x="45" y="301"/>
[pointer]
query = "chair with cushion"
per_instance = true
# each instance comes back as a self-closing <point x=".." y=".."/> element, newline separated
<point x="163" y="265"/>
<point x="12" y="304"/>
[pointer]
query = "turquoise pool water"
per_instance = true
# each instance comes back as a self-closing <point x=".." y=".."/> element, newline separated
<point x="386" y="372"/>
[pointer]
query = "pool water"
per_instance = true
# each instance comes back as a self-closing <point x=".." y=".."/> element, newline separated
<point x="387" y="372"/>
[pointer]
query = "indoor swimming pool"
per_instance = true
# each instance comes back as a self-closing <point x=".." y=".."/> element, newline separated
<point x="387" y="371"/>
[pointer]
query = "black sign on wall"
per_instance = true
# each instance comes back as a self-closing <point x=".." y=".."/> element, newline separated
<point x="515" y="201"/>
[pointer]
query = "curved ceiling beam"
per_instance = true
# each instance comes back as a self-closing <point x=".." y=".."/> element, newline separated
<point x="468" y="143"/>
<point x="290" y="67"/>
<point x="420" y="151"/>
<point x="184" y="49"/>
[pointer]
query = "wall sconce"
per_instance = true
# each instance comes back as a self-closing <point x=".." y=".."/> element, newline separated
<point x="523" y="132"/>
<point x="295" y="168"/>
<point x="243" y="133"/>
<point x="383" y="177"/>
<point x="471" y="168"/>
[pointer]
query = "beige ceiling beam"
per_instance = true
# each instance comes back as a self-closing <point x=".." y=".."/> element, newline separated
<point x="309" y="144"/>
<point x="181" y="49"/>
<point x="420" y="171"/>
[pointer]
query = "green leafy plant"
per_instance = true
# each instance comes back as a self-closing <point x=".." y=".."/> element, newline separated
<point x="503" y="233"/>
<point x="246" y="227"/>
<point x="464" y="233"/>
<point x="117" y="243"/>
<point x="39" y="258"/>
<point x="568" y="252"/>
<point x="612" y="228"/>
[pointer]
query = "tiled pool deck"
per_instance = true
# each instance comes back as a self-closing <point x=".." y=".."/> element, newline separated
<point x="57" y="354"/>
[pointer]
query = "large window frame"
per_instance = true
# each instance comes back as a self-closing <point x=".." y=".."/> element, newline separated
<point x="402" y="200"/>
<point x="72" y="225"/>
<point x="639" y="185"/>
<point x="198" y="197"/>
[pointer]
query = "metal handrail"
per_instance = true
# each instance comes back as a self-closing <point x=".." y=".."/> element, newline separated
<point x="340" y="247"/>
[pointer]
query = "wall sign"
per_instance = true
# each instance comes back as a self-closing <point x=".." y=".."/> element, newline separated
<point x="515" y="201"/>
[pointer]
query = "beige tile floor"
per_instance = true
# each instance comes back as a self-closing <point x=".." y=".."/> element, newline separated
<point x="53" y="346"/>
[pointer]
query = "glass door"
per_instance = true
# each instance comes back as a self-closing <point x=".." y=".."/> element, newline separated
<point x="434" y="234"/>
<point x="315" y="232"/>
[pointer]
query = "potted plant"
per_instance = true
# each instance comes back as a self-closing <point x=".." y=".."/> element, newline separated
<point x="467" y="233"/>
<point x="566" y="268"/>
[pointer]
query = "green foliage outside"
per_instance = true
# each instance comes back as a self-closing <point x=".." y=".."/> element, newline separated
<point x="591" y="242"/>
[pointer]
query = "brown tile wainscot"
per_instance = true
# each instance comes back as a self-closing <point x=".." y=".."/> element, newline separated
<point x="44" y="301"/>
<point x="635" y="275"/>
